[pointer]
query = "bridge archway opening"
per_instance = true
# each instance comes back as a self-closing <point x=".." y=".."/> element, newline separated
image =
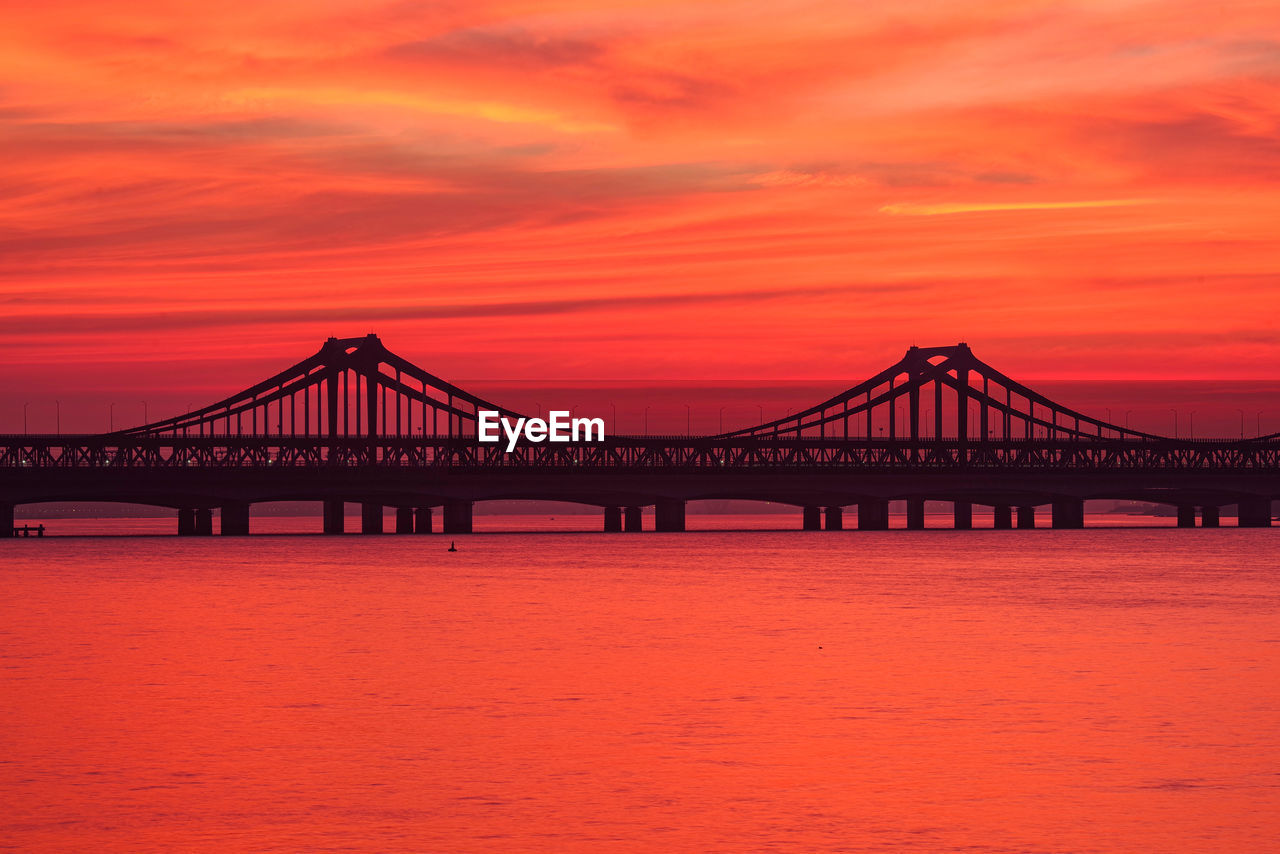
<point x="534" y="514"/>
<point x="96" y="518"/>
<point x="726" y="514"/>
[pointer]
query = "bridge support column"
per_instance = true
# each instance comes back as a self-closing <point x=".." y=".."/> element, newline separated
<point x="915" y="514"/>
<point x="1255" y="513"/>
<point x="873" y="515"/>
<point x="204" y="521"/>
<point x="404" y="520"/>
<point x="668" y="516"/>
<point x="1186" y="516"/>
<point x="612" y="520"/>
<point x="633" y="519"/>
<point x="962" y="511"/>
<point x="1002" y="515"/>
<point x="1027" y="517"/>
<point x="235" y="519"/>
<point x="1068" y="513"/>
<point x="186" y="521"/>
<point x="812" y="518"/>
<point x="370" y="517"/>
<point x="1209" y="516"/>
<point x="457" y="517"/>
<point x="835" y="518"/>
<point x="333" y="516"/>
<point x="6" y="520"/>
<point x="422" y="520"/>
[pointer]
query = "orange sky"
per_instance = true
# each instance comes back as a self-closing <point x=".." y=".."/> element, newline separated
<point x="197" y="193"/>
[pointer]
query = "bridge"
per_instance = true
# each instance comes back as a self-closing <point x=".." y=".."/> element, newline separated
<point x="357" y="423"/>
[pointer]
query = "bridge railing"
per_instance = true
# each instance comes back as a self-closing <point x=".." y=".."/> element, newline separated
<point x="663" y="452"/>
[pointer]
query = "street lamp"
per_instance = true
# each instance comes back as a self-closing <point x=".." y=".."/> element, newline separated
<point x="111" y="416"/>
<point x="1126" y="418"/>
<point x="1175" y="422"/>
<point x="1241" y="411"/>
<point x="57" y="417"/>
<point x="646" y="421"/>
<point x="688" y="420"/>
<point x="761" y="408"/>
<point x="1191" y="424"/>
<point x="614" y="407"/>
<point x="722" y="419"/>
<point x="24" y="416"/>
<point x="146" y="419"/>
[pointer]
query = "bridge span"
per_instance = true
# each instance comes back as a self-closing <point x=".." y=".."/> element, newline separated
<point x="357" y="423"/>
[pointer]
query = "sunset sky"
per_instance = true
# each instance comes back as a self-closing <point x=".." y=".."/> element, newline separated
<point x="196" y="194"/>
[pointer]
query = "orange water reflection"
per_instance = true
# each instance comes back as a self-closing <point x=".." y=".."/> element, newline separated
<point x="992" y="691"/>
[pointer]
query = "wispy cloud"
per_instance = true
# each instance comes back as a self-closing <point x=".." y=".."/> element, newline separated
<point x="944" y="208"/>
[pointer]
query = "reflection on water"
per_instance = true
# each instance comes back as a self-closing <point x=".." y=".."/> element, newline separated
<point x="1097" y="690"/>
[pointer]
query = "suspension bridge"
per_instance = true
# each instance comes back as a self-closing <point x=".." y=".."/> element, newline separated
<point x="357" y="423"/>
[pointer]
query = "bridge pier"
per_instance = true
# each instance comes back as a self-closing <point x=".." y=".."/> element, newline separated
<point x="457" y="517"/>
<point x="235" y="519"/>
<point x="668" y="516"/>
<point x="915" y="514"/>
<point x="204" y="521"/>
<point x="422" y="520"/>
<point x="370" y="517"/>
<point x="334" y="517"/>
<point x="812" y="518"/>
<point x="1002" y="515"/>
<point x="6" y="519"/>
<point x="1068" y="513"/>
<point x="835" y="518"/>
<point x="873" y="515"/>
<point x="1209" y="516"/>
<point x="1186" y="516"/>
<point x="1254" y="513"/>
<point x="404" y="520"/>
<point x="633" y="519"/>
<point x="962" y="511"/>
<point x="1027" y="517"/>
<point x="613" y="520"/>
<point x="186" y="521"/>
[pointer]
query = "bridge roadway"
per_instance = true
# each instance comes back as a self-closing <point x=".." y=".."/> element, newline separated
<point x="417" y="475"/>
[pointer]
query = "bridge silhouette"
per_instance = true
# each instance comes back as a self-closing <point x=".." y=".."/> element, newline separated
<point x="358" y="423"/>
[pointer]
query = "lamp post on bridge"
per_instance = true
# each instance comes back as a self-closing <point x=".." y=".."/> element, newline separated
<point x="646" y="421"/>
<point x="1175" y="422"/>
<point x="57" y="417"/>
<point x="722" y="419"/>
<point x="688" y="420"/>
<point x="111" y="416"/>
<point x="1241" y="411"/>
<point x="614" y="407"/>
<point x="761" y="408"/>
<point x="24" y="416"/>
<point x="1126" y="418"/>
<point x="146" y="419"/>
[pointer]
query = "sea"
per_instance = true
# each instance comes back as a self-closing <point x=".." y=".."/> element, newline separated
<point x="742" y="687"/>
